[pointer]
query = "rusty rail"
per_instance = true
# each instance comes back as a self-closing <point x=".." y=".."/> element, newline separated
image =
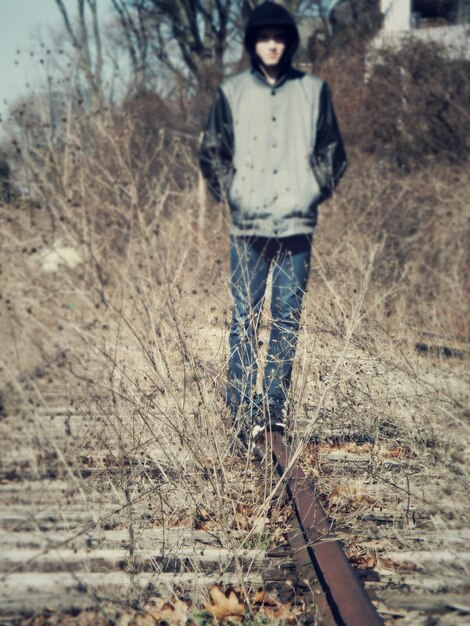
<point x="345" y="594"/>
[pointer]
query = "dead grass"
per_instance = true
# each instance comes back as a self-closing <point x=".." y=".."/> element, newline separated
<point x="131" y="327"/>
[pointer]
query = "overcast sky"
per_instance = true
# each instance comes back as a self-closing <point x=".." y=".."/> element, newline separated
<point x="22" y="24"/>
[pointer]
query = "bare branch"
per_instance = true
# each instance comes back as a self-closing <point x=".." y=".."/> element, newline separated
<point x="68" y="26"/>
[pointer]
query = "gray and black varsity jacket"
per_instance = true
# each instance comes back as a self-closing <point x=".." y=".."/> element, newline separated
<point x="274" y="152"/>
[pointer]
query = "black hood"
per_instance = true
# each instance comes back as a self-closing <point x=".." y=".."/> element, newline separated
<point x="272" y="14"/>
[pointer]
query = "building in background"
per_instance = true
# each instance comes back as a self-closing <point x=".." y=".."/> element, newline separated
<point x="445" y="22"/>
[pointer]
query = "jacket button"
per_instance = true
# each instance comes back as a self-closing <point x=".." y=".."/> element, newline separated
<point x="274" y="119"/>
<point x="274" y="171"/>
<point x="274" y="144"/>
<point x="273" y="92"/>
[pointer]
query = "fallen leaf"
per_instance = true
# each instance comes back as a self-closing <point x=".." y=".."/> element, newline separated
<point x="261" y="597"/>
<point x="393" y="454"/>
<point x="173" y="613"/>
<point x="265" y="605"/>
<point x="403" y="566"/>
<point x="224" y="605"/>
<point x="278" y="535"/>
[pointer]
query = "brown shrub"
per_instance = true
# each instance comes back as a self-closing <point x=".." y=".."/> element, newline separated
<point x="417" y="106"/>
<point x="413" y="109"/>
<point x="421" y="218"/>
<point x="407" y="135"/>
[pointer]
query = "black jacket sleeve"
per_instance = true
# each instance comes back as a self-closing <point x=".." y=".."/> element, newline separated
<point x="217" y="146"/>
<point x="328" y="158"/>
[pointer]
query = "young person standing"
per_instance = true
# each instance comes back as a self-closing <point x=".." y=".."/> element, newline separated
<point x="272" y="149"/>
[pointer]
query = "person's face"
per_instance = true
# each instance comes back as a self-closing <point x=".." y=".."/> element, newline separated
<point x="270" y="45"/>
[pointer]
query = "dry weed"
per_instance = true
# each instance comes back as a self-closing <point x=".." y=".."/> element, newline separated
<point x="129" y="323"/>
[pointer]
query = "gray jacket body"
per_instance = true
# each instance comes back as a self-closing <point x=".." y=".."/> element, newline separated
<point x="274" y="152"/>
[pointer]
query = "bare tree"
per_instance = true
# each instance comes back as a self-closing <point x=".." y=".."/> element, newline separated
<point x="133" y="26"/>
<point x="89" y="61"/>
<point x="190" y="36"/>
<point x="192" y="39"/>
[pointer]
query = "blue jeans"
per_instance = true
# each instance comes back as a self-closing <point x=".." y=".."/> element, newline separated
<point x="250" y="261"/>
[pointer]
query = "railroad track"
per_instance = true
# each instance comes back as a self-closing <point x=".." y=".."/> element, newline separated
<point x="58" y="552"/>
<point x="333" y="591"/>
<point x="427" y="584"/>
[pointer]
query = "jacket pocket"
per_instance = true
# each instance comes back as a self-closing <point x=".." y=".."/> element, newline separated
<point x="323" y="172"/>
<point x="317" y="195"/>
<point x="227" y="180"/>
<point x="230" y="185"/>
